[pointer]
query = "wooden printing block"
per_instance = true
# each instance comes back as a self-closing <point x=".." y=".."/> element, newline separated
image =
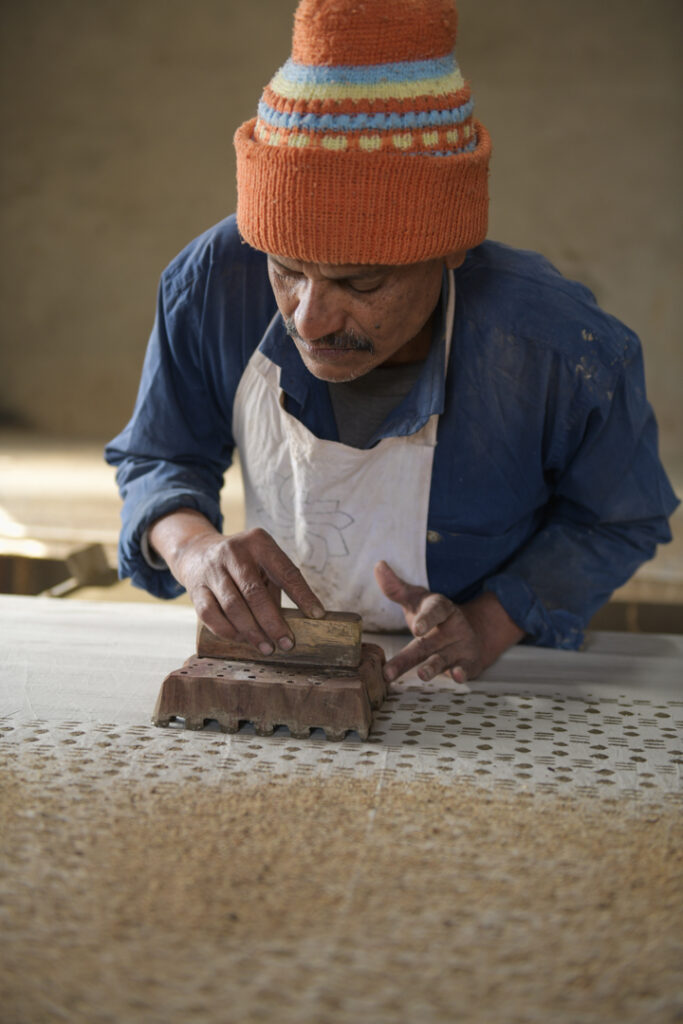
<point x="234" y="692"/>
<point x="333" y="641"/>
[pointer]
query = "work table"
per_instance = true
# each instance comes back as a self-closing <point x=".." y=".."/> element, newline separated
<point x="511" y="850"/>
<point x="605" y="718"/>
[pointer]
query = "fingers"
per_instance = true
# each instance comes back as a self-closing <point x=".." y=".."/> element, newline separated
<point x="284" y="575"/>
<point x="211" y="613"/>
<point x="414" y="653"/>
<point x="453" y="663"/>
<point x="392" y="586"/>
<point x="459" y="675"/>
<point x="450" y="645"/>
<point x="236" y="592"/>
<point x="433" y="610"/>
<point x="451" y="660"/>
<point x="423" y="610"/>
<point x="226" y="611"/>
<point x="275" y="593"/>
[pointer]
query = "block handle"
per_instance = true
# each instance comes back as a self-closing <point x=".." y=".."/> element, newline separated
<point x="331" y="642"/>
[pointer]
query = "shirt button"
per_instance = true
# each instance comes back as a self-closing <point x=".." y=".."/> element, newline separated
<point x="433" y="536"/>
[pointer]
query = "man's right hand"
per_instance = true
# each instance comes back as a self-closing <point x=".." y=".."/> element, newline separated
<point x="234" y="582"/>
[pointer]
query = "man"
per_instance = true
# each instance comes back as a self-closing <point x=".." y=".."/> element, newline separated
<point x="434" y="430"/>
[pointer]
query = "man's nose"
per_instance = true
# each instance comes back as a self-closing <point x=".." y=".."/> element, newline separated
<point x="318" y="311"/>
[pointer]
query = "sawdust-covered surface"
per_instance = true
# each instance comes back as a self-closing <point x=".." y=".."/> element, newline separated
<point x="334" y="900"/>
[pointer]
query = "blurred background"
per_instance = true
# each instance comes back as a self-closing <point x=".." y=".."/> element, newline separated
<point x="117" y="123"/>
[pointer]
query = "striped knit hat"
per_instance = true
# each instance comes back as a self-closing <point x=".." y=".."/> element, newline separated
<point x="364" y="149"/>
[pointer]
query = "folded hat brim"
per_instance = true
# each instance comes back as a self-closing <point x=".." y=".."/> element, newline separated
<point x="353" y="208"/>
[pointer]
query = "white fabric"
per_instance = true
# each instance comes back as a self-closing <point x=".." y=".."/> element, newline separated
<point x="78" y="682"/>
<point x="336" y="510"/>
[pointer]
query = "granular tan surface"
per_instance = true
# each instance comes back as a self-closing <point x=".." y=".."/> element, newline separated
<point x="335" y="901"/>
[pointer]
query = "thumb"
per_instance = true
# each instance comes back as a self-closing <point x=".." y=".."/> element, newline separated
<point x="396" y="589"/>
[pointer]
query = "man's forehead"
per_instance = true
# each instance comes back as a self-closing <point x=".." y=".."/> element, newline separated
<point x="333" y="270"/>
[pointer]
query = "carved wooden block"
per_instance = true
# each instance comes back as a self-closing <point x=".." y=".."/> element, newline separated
<point x="334" y="641"/>
<point x="235" y="692"/>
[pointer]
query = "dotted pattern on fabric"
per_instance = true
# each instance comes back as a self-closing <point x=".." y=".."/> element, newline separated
<point x="79" y="680"/>
<point x="554" y="744"/>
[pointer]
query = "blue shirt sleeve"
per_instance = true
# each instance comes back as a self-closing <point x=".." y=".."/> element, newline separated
<point x="608" y="509"/>
<point x="174" y="451"/>
<point x="547" y="487"/>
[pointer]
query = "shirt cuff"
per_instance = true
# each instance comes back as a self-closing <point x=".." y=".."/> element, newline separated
<point x="142" y="567"/>
<point x="544" y="627"/>
<point x="154" y="561"/>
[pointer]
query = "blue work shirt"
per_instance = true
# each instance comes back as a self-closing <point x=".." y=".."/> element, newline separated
<point x="546" y="487"/>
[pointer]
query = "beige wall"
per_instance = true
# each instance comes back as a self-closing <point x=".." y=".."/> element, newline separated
<point x="117" y="119"/>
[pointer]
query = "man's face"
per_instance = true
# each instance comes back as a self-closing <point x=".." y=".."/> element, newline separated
<point x="346" y="320"/>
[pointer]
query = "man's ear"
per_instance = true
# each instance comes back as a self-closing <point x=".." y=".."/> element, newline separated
<point x="455" y="259"/>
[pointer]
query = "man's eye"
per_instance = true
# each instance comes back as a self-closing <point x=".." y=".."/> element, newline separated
<point x="363" y="286"/>
<point x="285" y="272"/>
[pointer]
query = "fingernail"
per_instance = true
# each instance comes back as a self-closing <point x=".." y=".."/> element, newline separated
<point x="285" y="644"/>
<point x="390" y="674"/>
<point x="420" y="629"/>
<point x="265" y="648"/>
<point x="425" y="674"/>
<point x="318" y="612"/>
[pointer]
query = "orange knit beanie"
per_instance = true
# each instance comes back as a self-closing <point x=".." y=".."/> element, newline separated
<point x="364" y="149"/>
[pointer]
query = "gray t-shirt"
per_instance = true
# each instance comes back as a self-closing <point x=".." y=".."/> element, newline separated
<point x="362" y="405"/>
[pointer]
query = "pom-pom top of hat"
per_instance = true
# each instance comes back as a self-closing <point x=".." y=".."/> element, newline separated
<point x="372" y="31"/>
<point x="365" y="148"/>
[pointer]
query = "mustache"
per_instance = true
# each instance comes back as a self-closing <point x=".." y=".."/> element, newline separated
<point x="350" y="340"/>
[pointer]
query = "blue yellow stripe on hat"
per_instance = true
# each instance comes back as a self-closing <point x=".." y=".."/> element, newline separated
<point x="321" y="174"/>
<point x="419" y="107"/>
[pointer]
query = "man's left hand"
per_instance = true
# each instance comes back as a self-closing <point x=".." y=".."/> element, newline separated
<point x="460" y="640"/>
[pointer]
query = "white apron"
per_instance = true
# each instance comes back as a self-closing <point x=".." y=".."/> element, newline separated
<point x="336" y="510"/>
